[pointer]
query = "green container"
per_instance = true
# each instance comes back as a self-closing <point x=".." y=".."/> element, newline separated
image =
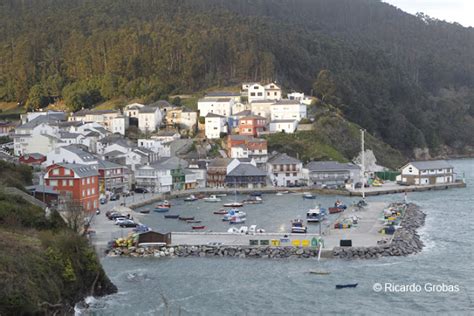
<point x="387" y="175"/>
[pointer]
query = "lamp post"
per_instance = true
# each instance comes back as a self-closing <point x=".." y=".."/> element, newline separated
<point x="362" y="145"/>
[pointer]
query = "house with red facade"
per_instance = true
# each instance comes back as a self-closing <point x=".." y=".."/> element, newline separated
<point x="34" y="159"/>
<point x="242" y="146"/>
<point x="252" y="125"/>
<point x="79" y="182"/>
<point x="112" y="177"/>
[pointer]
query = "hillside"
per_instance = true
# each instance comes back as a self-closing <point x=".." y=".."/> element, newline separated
<point x="407" y="79"/>
<point x="45" y="268"/>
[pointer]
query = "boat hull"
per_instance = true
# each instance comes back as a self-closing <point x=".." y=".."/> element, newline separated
<point x="172" y="216"/>
<point x="343" y="286"/>
<point x="334" y="210"/>
<point x="183" y="218"/>
<point x="198" y="227"/>
<point x="233" y="205"/>
<point x="161" y="209"/>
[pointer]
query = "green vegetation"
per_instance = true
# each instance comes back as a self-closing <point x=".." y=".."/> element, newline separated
<point x="45" y="268"/>
<point x="406" y="79"/>
<point x="333" y="138"/>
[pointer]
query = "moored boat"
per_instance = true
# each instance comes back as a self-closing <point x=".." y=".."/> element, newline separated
<point x="342" y="286"/>
<point x="314" y="215"/>
<point x="161" y="208"/>
<point x="236" y="219"/>
<point x="319" y="272"/>
<point x="233" y="204"/>
<point x="254" y="200"/>
<point x="334" y="210"/>
<point x="308" y="196"/>
<point x="190" y="198"/>
<point x="193" y="221"/>
<point x="172" y="216"/>
<point x="198" y="227"/>
<point x="212" y="199"/>
<point x="297" y="226"/>
<point x="145" y="211"/>
<point x="257" y="193"/>
<point x="220" y="212"/>
<point x="232" y="213"/>
<point x="186" y="218"/>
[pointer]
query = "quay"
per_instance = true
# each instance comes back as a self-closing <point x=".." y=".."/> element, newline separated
<point x="393" y="188"/>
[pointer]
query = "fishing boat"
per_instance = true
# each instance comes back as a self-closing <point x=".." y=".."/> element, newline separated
<point x="319" y="272"/>
<point x="233" y="204"/>
<point x="220" y="212"/>
<point x="342" y="286"/>
<point x="191" y="198"/>
<point x="186" y="218"/>
<point x="145" y="211"/>
<point x="212" y="199"/>
<point x="193" y="221"/>
<point x="254" y="200"/>
<point x="165" y="203"/>
<point x="231" y="213"/>
<point x="198" y="227"/>
<point x="334" y="210"/>
<point x="161" y="208"/>
<point x="297" y="226"/>
<point x="308" y="196"/>
<point x="314" y="215"/>
<point x="171" y="216"/>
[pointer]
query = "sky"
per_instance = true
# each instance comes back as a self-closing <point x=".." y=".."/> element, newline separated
<point x="460" y="11"/>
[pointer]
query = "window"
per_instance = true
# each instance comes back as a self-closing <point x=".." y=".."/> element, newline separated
<point x="53" y="183"/>
<point x="294" y="174"/>
<point x="259" y="94"/>
<point x="67" y="172"/>
<point x="274" y="93"/>
<point x="410" y="169"/>
<point x="93" y="180"/>
<point x="56" y="172"/>
<point x="93" y="190"/>
<point x="287" y="174"/>
<point x="83" y="193"/>
<point x="88" y="192"/>
<point x="71" y="183"/>
<point x="64" y="183"/>
<point x="252" y="94"/>
<point x="83" y="181"/>
<point x="268" y="93"/>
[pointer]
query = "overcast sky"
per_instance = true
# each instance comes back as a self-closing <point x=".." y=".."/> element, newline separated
<point x="461" y="11"/>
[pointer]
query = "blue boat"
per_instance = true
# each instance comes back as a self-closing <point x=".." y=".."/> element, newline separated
<point x="342" y="286"/>
<point x="161" y="209"/>
<point x="257" y="193"/>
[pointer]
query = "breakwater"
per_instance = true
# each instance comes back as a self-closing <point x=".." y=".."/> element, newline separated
<point x="405" y="240"/>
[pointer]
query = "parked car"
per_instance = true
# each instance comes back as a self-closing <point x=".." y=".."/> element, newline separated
<point x="126" y="193"/>
<point x="115" y="197"/>
<point x="128" y="223"/>
<point x="115" y="215"/>
<point x="120" y="220"/>
<point x="141" y="190"/>
<point x="103" y="200"/>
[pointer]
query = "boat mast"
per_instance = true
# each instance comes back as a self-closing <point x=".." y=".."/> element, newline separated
<point x="362" y="145"/>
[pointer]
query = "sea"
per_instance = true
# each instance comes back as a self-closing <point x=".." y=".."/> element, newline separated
<point x="439" y="280"/>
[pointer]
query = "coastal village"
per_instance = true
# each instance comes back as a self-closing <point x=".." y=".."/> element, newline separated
<point x="88" y="161"/>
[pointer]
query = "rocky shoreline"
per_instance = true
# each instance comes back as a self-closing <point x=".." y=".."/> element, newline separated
<point x="405" y="241"/>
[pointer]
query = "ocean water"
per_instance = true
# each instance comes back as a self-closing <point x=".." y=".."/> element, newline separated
<point x="228" y="286"/>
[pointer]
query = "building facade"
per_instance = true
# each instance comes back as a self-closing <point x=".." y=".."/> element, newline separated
<point x="284" y="170"/>
<point x="427" y="172"/>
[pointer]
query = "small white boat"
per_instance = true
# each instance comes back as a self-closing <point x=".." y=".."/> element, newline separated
<point x="279" y="194"/>
<point x="297" y="226"/>
<point x="253" y="200"/>
<point x="191" y="198"/>
<point x="212" y="199"/>
<point x="233" y="204"/>
<point x="237" y="219"/>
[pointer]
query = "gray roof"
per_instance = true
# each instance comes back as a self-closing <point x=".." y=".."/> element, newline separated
<point x="50" y="118"/>
<point x="114" y="153"/>
<point x="42" y="188"/>
<point x="80" y="170"/>
<point x="69" y="134"/>
<point x="243" y="113"/>
<point x="246" y="170"/>
<point x="283" y="121"/>
<point x="330" y="166"/>
<point x="287" y="101"/>
<point x="283" y="159"/>
<point x="148" y="109"/>
<point x="105" y="164"/>
<point x="95" y="112"/>
<point x="219" y="162"/>
<point x="34" y="155"/>
<point x="432" y="164"/>
<point x="214" y="115"/>
<point x="258" y="117"/>
<point x="83" y="154"/>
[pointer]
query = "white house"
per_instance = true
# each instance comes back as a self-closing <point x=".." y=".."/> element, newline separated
<point x="220" y="106"/>
<point x="284" y="170"/>
<point x="254" y="92"/>
<point x="272" y="92"/>
<point x="155" y="178"/>
<point x="36" y="136"/>
<point x="47" y="116"/>
<point x="287" y="110"/>
<point x="119" y="124"/>
<point x="299" y="96"/>
<point x="166" y="136"/>
<point x="215" y="125"/>
<point x="157" y="146"/>
<point x="132" y="110"/>
<point x="426" y="172"/>
<point x="262" y="108"/>
<point x="149" y="118"/>
<point x="287" y="126"/>
<point x="70" y="154"/>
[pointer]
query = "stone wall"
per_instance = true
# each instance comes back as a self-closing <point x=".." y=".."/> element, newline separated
<point x="405" y="240"/>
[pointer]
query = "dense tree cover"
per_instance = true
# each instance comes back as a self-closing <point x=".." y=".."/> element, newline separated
<point x="395" y="74"/>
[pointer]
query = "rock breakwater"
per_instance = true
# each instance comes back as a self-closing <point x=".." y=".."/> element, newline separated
<point x="405" y="240"/>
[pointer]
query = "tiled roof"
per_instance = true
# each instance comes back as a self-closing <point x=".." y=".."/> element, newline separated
<point x="283" y="159"/>
<point x="80" y="170"/>
<point x="246" y="170"/>
<point x="431" y="164"/>
<point x="330" y="166"/>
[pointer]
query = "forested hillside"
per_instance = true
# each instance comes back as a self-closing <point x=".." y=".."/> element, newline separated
<point x="408" y="80"/>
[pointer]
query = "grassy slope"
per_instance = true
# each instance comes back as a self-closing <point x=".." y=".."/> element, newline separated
<point x="333" y="138"/>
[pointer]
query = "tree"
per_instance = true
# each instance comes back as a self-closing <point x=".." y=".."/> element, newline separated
<point x="36" y="98"/>
<point x="324" y="85"/>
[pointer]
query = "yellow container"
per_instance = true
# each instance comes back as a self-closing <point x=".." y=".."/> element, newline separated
<point x="296" y="242"/>
<point x="275" y="242"/>
<point x="305" y="243"/>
